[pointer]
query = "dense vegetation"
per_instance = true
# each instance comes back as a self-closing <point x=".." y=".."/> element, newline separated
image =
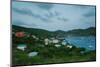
<point x="48" y="53"/>
<point x="76" y="32"/>
<point x="51" y="54"/>
<point x="83" y="32"/>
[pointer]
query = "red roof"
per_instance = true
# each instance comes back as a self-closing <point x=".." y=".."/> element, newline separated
<point x="20" y="34"/>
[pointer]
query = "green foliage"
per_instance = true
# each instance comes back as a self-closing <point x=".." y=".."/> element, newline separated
<point x="76" y="32"/>
<point x="83" y="32"/>
<point x="49" y="53"/>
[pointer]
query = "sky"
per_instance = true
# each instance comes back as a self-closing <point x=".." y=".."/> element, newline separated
<point x="51" y="16"/>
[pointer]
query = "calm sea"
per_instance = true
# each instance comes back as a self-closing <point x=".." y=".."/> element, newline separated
<point x="88" y="42"/>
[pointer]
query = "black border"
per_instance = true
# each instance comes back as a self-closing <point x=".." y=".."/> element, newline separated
<point x="48" y="3"/>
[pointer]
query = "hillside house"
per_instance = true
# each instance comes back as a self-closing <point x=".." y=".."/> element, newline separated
<point x="20" y="34"/>
<point x="21" y="47"/>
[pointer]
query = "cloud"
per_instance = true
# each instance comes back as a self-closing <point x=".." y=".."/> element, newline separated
<point x="62" y="19"/>
<point x="23" y="23"/>
<point x="16" y="22"/>
<point x="89" y="14"/>
<point x="46" y="19"/>
<point x="57" y="13"/>
<point x="52" y="16"/>
<point x="49" y="15"/>
<point x="45" y="6"/>
<point x="28" y="12"/>
<point x="23" y="11"/>
<point x="82" y="6"/>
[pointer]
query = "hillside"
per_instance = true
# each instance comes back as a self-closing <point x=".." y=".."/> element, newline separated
<point x="40" y="32"/>
<point x="50" y="53"/>
<point x="83" y="32"/>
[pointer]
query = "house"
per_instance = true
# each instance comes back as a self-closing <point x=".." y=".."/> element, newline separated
<point x="63" y="42"/>
<point x="55" y="41"/>
<point x="51" y="41"/>
<point x="46" y="41"/>
<point x="20" y="34"/>
<point x="32" y="54"/>
<point x="34" y="37"/>
<point x="57" y="45"/>
<point x="21" y="47"/>
<point x="69" y="46"/>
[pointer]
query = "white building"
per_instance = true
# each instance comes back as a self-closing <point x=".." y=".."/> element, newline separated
<point x="33" y="36"/>
<point x="69" y="46"/>
<point x="57" y="45"/>
<point x="51" y="41"/>
<point x="46" y="41"/>
<point x="63" y="43"/>
<point x="55" y="41"/>
<point x="21" y="47"/>
<point x="32" y="54"/>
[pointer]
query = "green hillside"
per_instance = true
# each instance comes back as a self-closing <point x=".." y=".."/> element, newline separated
<point x="40" y="32"/>
<point x="48" y="54"/>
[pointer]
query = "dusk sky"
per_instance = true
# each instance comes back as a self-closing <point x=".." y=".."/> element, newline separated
<point x="52" y="17"/>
